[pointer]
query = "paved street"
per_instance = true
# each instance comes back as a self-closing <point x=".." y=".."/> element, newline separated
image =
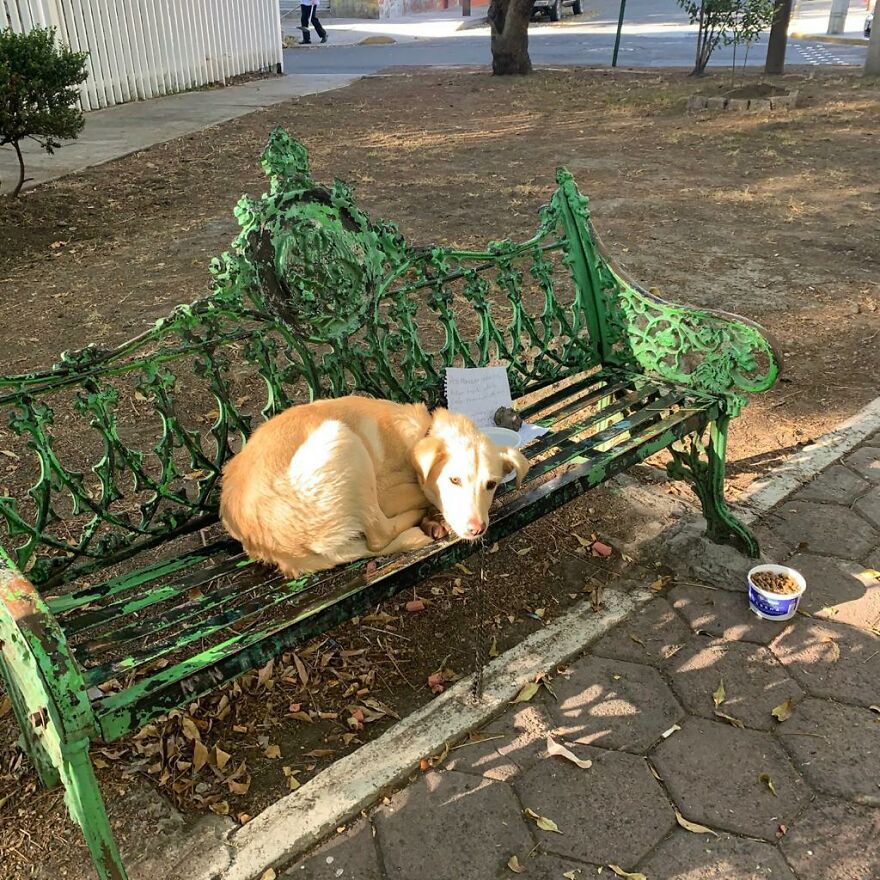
<point x="656" y="34"/>
<point x="674" y="711"/>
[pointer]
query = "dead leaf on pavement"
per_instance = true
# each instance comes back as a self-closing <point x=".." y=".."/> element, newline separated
<point x="555" y="749"/>
<point x="720" y="694"/>
<point x="571" y="875"/>
<point x="693" y="826"/>
<point x="765" y="778"/>
<point x="543" y="822"/>
<point x="493" y="650"/>
<point x="272" y="751"/>
<point x="729" y="719"/>
<point x="269" y="874"/>
<point x="514" y="865"/>
<point x="634" y="875"/>
<point x="783" y="711"/>
<point x="661" y="583"/>
<point x="637" y="640"/>
<point x="527" y="692"/>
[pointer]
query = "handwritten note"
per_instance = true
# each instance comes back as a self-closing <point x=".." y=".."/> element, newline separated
<point x="478" y="392"/>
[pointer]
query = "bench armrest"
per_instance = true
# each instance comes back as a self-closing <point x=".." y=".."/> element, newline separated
<point x="705" y="349"/>
<point x="38" y="658"/>
<point x="710" y="351"/>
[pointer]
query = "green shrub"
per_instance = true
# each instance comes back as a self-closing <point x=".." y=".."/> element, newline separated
<point x="38" y="91"/>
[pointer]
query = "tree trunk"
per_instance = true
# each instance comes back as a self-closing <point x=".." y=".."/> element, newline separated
<point x="510" y="36"/>
<point x="775" y="64"/>
<point x="20" y="183"/>
<point x="872" y="62"/>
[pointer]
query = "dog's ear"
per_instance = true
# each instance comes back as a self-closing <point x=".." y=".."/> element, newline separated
<point x="513" y="459"/>
<point x="426" y="454"/>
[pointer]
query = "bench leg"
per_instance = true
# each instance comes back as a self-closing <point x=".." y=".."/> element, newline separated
<point x="702" y="465"/>
<point x="86" y="807"/>
<point x="28" y="741"/>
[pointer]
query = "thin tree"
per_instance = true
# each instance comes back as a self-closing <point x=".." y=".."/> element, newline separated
<point x="509" y="20"/>
<point x="775" y="63"/>
<point x="38" y="92"/>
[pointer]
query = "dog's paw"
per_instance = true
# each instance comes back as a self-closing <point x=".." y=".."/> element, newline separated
<point x="434" y="526"/>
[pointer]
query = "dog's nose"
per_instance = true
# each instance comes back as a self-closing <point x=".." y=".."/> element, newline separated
<point x="476" y="527"/>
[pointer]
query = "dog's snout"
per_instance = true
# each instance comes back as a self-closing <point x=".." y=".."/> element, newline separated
<point x="476" y="527"/>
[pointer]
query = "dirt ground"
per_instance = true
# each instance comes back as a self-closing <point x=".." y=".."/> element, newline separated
<point x="771" y="216"/>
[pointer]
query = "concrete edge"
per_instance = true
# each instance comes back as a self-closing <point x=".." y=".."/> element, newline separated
<point x="803" y="466"/>
<point x="829" y="38"/>
<point x="301" y="819"/>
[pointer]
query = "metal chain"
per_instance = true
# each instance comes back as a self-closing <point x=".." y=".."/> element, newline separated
<point x="480" y="629"/>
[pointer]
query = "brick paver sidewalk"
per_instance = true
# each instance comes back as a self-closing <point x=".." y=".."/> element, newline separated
<point x="792" y="799"/>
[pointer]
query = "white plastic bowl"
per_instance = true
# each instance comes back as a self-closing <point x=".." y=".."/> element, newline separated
<point x="775" y="606"/>
<point x="504" y="437"/>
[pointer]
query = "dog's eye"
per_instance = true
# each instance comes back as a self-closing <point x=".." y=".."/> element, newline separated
<point x="455" y="481"/>
<point x="491" y="484"/>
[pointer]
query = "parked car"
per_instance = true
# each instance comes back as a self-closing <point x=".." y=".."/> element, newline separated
<point x="553" y="8"/>
<point x="869" y="20"/>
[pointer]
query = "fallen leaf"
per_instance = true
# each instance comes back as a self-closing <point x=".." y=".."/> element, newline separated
<point x="834" y="649"/>
<point x="5" y="707"/>
<point x="637" y="640"/>
<point x="522" y="552"/>
<point x="783" y="711"/>
<point x="514" y="865"/>
<point x="693" y="826"/>
<point x="543" y="822"/>
<point x="293" y="783"/>
<point x="765" y="778"/>
<point x="221" y="758"/>
<point x="272" y="751"/>
<point x="720" y="695"/>
<point x="269" y="874"/>
<point x="598" y="548"/>
<point x="463" y="568"/>
<point x="729" y="719"/>
<point x="571" y="875"/>
<point x="493" y="650"/>
<point x="238" y="787"/>
<point x="527" y="692"/>
<point x="635" y="875"/>
<point x="582" y="541"/>
<point x="320" y="753"/>
<point x="244" y="818"/>
<point x="661" y="583"/>
<point x="200" y="755"/>
<point x="555" y="749"/>
<point x="188" y="726"/>
<point x="9" y="454"/>
<point x="415" y="606"/>
<point x="221" y="808"/>
<point x="875" y="709"/>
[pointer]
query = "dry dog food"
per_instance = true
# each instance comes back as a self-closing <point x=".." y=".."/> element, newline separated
<point x="773" y="582"/>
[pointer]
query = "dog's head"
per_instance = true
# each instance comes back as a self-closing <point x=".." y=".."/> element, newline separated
<point x="459" y="469"/>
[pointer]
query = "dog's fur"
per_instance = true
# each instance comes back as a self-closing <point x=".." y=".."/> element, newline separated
<point x="338" y="480"/>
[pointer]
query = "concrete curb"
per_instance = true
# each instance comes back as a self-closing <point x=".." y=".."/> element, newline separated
<point x="829" y="38"/>
<point x="803" y="466"/>
<point x="301" y="819"/>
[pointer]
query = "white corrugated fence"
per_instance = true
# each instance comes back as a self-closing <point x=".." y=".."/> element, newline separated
<point x="143" y="48"/>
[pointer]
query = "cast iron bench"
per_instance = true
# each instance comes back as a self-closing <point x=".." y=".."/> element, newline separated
<point x="121" y="597"/>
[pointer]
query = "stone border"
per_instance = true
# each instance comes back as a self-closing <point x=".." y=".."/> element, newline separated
<point x="302" y="818"/>
<point x="737" y="105"/>
<point x="765" y="493"/>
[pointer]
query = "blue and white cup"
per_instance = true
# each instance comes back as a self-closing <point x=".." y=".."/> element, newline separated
<point x="775" y="606"/>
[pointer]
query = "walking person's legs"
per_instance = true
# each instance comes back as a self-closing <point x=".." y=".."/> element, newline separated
<point x="305" y="14"/>
<point x="319" y="28"/>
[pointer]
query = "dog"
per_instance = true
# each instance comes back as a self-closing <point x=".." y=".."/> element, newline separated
<point x="333" y="481"/>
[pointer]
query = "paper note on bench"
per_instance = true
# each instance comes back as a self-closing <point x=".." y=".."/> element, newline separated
<point x="477" y="392"/>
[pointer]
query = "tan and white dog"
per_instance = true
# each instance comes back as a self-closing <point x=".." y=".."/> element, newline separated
<point x="337" y="480"/>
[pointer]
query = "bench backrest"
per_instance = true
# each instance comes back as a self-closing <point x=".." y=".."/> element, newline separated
<point x="118" y="450"/>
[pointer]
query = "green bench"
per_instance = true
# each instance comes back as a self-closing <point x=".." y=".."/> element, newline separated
<point x="122" y="599"/>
